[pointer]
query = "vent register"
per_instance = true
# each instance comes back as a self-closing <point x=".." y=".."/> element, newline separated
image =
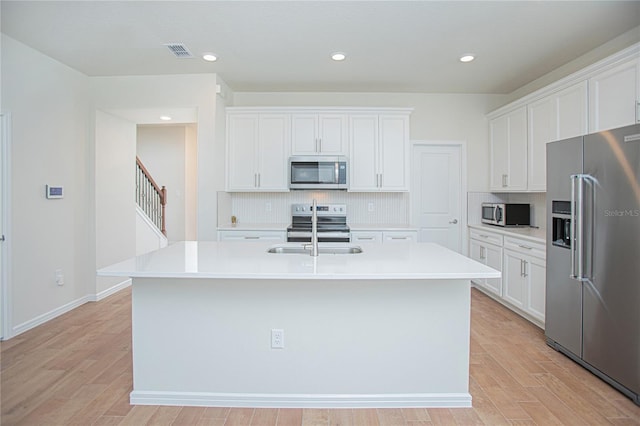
<point x="179" y="50"/>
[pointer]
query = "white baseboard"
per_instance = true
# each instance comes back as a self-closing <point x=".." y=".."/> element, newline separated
<point x="41" y="319"/>
<point x="207" y="399"/>
<point x="112" y="290"/>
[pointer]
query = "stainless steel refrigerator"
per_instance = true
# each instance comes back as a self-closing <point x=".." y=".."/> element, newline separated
<point x="593" y="254"/>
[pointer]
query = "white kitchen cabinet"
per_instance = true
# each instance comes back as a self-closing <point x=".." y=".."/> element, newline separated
<point x="399" y="237"/>
<point x="614" y="95"/>
<point x="384" y="237"/>
<point x="486" y="248"/>
<point x="252" y="236"/>
<point x="365" y="237"/>
<point x="257" y="152"/>
<point x="560" y="115"/>
<point x="524" y="276"/>
<point x="522" y="263"/>
<point x="319" y="134"/>
<point x="508" y="151"/>
<point x="379" y="152"/>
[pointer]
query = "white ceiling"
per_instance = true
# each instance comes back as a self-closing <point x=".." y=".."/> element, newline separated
<point x="392" y="46"/>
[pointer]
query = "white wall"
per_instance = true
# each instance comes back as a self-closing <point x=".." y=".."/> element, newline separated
<point x="440" y="117"/>
<point x="50" y="108"/>
<point x="184" y="91"/>
<point x="115" y="212"/>
<point x="163" y="150"/>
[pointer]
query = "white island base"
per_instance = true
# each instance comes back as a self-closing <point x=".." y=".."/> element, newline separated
<point x="388" y="327"/>
<point x="347" y="343"/>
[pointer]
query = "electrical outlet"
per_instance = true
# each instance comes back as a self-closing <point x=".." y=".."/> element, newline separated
<point x="59" y="277"/>
<point x="277" y="338"/>
<point x="371" y="207"/>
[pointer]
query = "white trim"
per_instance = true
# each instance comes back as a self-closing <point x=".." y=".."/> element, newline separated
<point x="208" y="399"/>
<point x="111" y="290"/>
<point x="46" y="317"/>
<point x="320" y="110"/>
<point x="581" y="75"/>
<point x="463" y="186"/>
<point x="41" y="319"/>
<point x="5" y="226"/>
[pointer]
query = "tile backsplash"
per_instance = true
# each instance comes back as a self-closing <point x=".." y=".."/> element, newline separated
<point x="275" y="207"/>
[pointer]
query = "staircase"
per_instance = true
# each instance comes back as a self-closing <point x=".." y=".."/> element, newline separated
<point x="150" y="197"/>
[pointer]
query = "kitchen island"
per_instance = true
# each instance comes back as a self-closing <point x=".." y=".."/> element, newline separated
<point x="388" y="327"/>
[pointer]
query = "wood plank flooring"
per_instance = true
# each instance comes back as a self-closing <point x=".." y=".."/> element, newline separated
<point x="76" y="370"/>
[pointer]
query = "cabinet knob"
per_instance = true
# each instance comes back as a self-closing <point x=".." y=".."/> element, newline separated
<point x="454" y="221"/>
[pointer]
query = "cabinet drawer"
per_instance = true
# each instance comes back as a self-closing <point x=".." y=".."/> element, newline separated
<point x="399" y="236"/>
<point x="485" y="236"/>
<point x="525" y="247"/>
<point x="363" y="237"/>
<point x="249" y="236"/>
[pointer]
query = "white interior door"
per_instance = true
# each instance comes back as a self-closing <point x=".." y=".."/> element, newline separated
<point x="437" y="196"/>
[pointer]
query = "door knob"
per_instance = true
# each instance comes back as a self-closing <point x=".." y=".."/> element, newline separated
<point x="454" y="221"/>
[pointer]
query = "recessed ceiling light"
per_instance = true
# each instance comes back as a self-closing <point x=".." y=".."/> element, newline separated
<point x="467" y="58"/>
<point x="165" y="118"/>
<point x="338" y="56"/>
<point x="209" y="57"/>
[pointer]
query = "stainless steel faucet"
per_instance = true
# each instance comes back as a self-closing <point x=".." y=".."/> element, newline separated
<point x="314" y="228"/>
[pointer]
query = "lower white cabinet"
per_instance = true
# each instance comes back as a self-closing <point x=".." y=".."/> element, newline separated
<point x="522" y="262"/>
<point x="384" y="237"/>
<point x="252" y="236"/>
<point x="486" y="248"/>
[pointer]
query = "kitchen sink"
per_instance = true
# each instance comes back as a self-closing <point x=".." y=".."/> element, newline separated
<point x="333" y="249"/>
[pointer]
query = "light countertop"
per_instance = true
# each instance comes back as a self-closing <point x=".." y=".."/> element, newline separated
<point x="381" y="227"/>
<point x="253" y="227"/>
<point x="283" y="227"/>
<point x="239" y="260"/>
<point x="536" y="235"/>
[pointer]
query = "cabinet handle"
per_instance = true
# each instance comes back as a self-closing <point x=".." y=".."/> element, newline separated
<point x="320" y="144"/>
<point x="251" y="238"/>
<point x="638" y="112"/>
<point x="484" y="236"/>
<point x="258" y="180"/>
<point x="255" y="180"/>
<point x="399" y="238"/>
<point x="524" y="269"/>
<point x="504" y="181"/>
<point x="366" y="238"/>
<point x="525" y="247"/>
<point x="482" y="253"/>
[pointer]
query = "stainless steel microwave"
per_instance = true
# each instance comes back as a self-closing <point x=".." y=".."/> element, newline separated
<point x="318" y="172"/>
<point x="506" y="214"/>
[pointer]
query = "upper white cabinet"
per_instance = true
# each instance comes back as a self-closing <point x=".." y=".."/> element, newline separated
<point x="603" y="96"/>
<point x="561" y="115"/>
<point x="508" y="151"/>
<point x="379" y="152"/>
<point x="257" y="152"/>
<point x="614" y="95"/>
<point x="319" y="134"/>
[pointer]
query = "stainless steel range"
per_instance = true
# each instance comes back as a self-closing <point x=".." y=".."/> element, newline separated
<point x="332" y="223"/>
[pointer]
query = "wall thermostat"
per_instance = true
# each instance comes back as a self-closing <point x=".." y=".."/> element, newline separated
<point x="55" y="191"/>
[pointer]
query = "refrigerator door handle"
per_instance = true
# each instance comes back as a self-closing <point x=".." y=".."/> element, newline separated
<point x="576" y="227"/>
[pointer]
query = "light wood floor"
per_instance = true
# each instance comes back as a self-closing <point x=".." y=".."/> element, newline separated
<point x="76" y="370"/>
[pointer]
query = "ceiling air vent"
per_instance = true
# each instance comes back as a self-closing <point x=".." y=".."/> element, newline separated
<point x="180" y="50"/>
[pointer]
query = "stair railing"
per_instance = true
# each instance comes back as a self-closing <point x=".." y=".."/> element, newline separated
<point x="151" y="198"/>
